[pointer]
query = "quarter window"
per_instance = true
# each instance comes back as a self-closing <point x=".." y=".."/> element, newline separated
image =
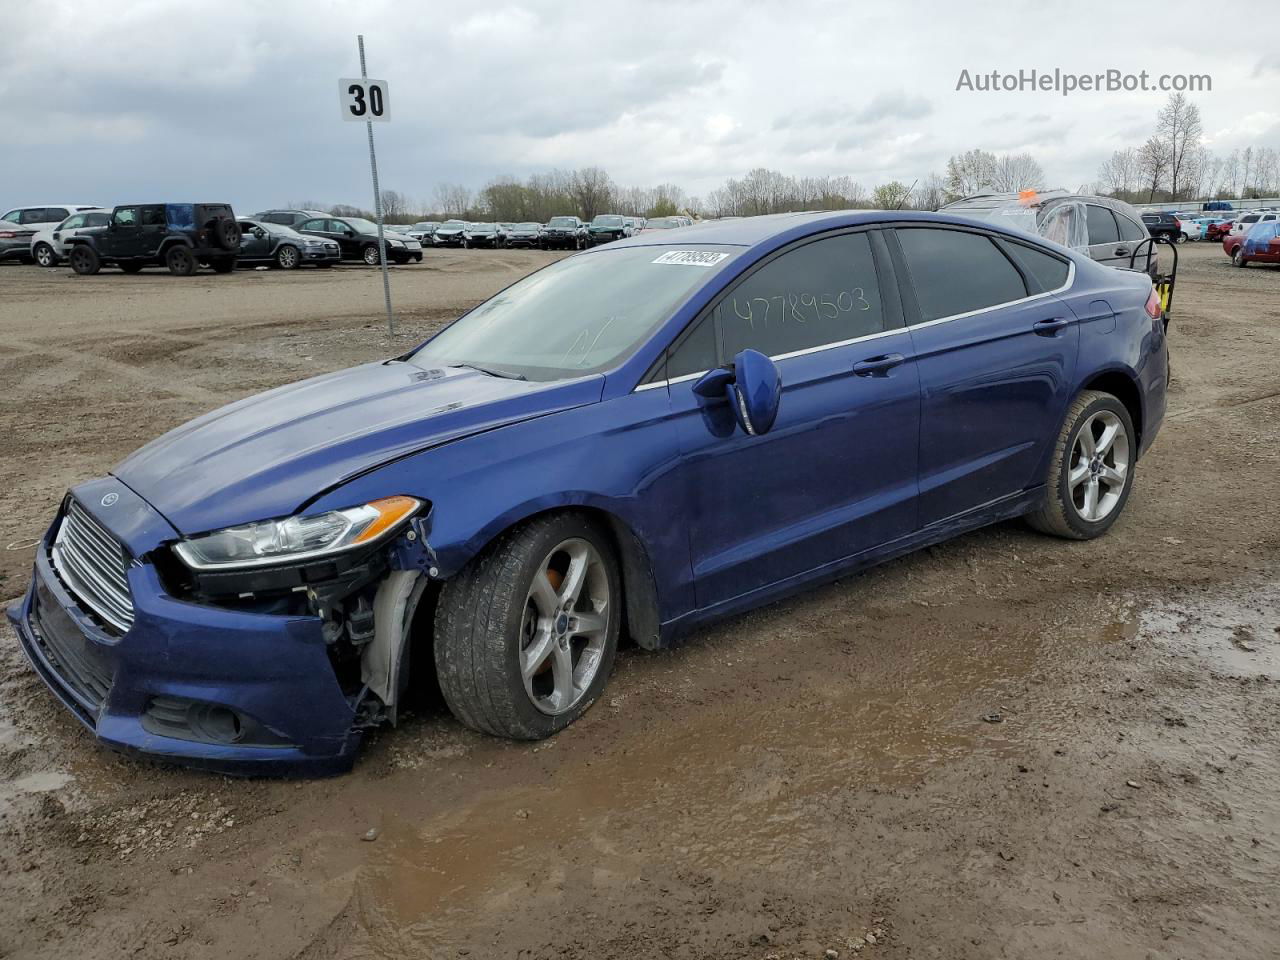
<point x="823" y="292"/>
<point x="1133" y="232"/>
<point x="1102" y="225"/>
<point x="1043" y="271"/>
<point x="955" y="272"/>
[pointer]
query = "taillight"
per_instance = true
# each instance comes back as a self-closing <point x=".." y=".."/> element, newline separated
<point x="7" y="235"/>
<point x="1153" y="305"/>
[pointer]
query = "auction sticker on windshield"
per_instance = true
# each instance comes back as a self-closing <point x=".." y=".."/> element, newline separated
<point x="692" y="258"/>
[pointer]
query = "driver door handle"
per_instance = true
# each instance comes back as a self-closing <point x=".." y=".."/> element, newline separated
<point x="878" y="366"/>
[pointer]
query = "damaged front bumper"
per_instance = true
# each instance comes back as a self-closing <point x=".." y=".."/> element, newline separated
<point x="234" y="691"/>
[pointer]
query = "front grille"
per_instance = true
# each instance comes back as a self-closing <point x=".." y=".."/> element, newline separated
<point x="68" y="653"/>
<point x="92" y="564"/>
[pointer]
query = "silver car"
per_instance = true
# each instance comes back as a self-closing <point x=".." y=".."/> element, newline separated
<point x="1108" y="230"/>
<point x="49" y="246"/>
<point x="20" y="224"/>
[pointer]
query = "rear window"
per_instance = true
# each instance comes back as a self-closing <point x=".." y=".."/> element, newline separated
<point x="956" y="272"/>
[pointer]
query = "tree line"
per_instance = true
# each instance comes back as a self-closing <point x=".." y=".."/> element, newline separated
<point x="1173" y="164"/>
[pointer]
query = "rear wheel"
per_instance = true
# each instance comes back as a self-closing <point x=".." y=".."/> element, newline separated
<point x="180" y="261"/>
<point x="526" y="634"/>
<point x="1092" y="469"/>
<point x="1182" y="238"/>
<point x="287" y="257"/>
<point x="84" y="260"/>
<point x="44" y="255"/>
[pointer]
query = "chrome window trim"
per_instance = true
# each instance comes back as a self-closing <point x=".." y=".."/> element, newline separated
<point x="1071" y="276"/>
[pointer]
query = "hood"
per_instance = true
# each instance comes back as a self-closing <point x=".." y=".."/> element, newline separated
<point x="267" y="455"/>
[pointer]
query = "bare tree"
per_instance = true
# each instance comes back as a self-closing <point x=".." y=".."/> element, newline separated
<point x="454" y="200"/>
<point x="970" y="172"/>
<point x="1119" y="174"/>
<point x="1178" y="125"/>
<point x="930" y="193"/>
<point x="1017" y="171"/>
<point x="592" y="190"/>
<point x="1153" y="165"/>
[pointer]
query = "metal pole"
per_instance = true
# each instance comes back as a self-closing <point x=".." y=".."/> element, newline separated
<point x="377" y="204"/>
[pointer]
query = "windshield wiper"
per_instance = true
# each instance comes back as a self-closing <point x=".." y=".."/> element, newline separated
<point x="504" y="374"/>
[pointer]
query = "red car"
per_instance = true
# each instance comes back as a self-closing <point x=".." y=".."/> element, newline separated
<point x="1260" y="245"/>
<point x="1216" y="231"/>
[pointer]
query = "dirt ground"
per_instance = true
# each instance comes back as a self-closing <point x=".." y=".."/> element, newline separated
<point x="1005" y="746"/>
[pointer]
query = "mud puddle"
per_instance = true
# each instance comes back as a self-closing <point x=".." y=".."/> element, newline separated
<point x="1234" y="630"/>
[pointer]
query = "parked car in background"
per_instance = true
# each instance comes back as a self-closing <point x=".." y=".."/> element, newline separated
<point x="663" y="223"/>
<point x="1108" y="230"/>
<point x="20" y="224"/>
<point x="1257" y="243"/>
<point x="49" y="246"/>
<point x="627" y="443"/>
<point x="180" y="236"/>
<point x="283" y="247"/>
<point x="481" y="235"/>
<point x="564" y="233"/>
<point x="606" y="228"/>
<point x="1192" y="228"/>
<point x="525" y="235"/>
<point x="1164" y="225"/>
<point x="289" y="218"/>
<point x="1218" y="227"/>
<point x="357" y="239"/>
<point x="449" y="234"/>
<point x="422" y="231"/>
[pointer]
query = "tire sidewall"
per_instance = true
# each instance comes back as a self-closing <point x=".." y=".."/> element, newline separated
<point x="180" y="261"/>
<point x="84" y="261"/>
<point x="371" y="261"/>
<point x="280" y="257"/>
<point x="1084" y="528"/>
<point x="43" y="249"/>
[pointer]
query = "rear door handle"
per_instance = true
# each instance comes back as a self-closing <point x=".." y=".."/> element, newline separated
<point x="1047" y="328"/>
<point x="878" y="366"/>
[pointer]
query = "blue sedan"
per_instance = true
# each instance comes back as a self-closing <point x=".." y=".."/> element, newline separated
<point x="628" y="443"/>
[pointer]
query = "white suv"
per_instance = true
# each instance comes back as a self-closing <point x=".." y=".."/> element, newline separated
<point x="35" y="219"/>
<point x="49" y="246"/>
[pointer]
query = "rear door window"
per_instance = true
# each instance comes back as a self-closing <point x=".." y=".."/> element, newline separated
<point x="1102" y="225"/>
<point x="954" y="271"/>
<point x="37" y="215"/>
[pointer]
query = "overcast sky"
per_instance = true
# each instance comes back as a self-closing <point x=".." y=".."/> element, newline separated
<point x="112" y="102"/>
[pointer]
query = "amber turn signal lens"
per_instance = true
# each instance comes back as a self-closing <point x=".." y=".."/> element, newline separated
<point x="391" y="510"/>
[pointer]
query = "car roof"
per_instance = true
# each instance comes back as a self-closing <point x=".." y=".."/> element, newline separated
<point x="750" y="231"/>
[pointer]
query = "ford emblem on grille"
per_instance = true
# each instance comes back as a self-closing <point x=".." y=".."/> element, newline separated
<point x="109" y="499"/>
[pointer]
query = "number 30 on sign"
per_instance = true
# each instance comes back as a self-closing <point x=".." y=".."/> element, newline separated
<point x="363" y="99"/>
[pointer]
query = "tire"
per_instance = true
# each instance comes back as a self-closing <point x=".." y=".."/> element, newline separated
<point x="370" y="255"/>
<point x="287" y="257"/>
<point x="84" y="260"/>
<point x="1182" y="238"/>
<point x="223" y="264"/>
<point x="45" y="255"/>
<point x="1237" y="258"/>
<point x="180" y="260"/>
<point x="1061" y="515"/>
<point x="489" y="622"/>
<point x="227" y="233"/>
<point x="131" y="267"/>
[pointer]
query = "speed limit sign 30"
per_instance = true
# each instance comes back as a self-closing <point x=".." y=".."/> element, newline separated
<point x="362" y="99"/>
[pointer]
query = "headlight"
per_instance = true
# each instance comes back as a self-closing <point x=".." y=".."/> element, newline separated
<point x="296" y="538"/>
<point x="394" y="243"/>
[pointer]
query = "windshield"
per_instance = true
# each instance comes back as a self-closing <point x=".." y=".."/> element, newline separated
<point x="562" y="222"/>
<point x="360" y="225"/>
<point x="527" y="226"/>
<point x="604" y="221"/>
<point x="662" y="223"/>
<point x="578" y="316"/>
<point x="482" y="228"/>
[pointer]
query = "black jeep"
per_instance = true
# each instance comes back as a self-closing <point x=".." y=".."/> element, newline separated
<point x="179" y="236"/>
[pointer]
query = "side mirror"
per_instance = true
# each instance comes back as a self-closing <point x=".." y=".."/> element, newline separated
<point x="260" y="233"/>
<point x="753" y="388"/>
<point x="349" y="232"/>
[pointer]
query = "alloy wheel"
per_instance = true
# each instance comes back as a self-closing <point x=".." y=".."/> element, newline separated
<point x="1100" y="461"/>
<point x="565" y="626"/>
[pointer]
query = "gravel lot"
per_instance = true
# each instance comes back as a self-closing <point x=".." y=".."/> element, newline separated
<point x="824" y="774"/>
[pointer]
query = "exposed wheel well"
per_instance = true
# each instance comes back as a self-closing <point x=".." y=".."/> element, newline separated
<point x="1123" y="388"/>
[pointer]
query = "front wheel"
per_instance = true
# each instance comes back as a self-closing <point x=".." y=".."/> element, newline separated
<point x="526" y="634"/>
<point x="1237" y="257"/>
<point x="44" y="255"/>
<point x="1092" y="469"/>
<point x="371" y="255"/>
<point x="84" y="260"/>
<point x="287" y="257"/>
